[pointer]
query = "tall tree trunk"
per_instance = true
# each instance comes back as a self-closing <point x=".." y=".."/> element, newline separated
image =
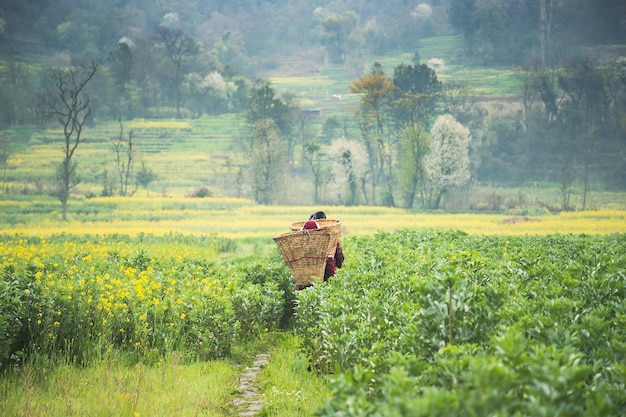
<point x="545" y="22"/>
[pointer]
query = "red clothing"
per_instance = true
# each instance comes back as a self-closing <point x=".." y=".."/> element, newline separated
<point x="310" y="225"/>
<point x="333" y="262"/>
<point x="338" y="255"/>
<point x="330" y="268"/>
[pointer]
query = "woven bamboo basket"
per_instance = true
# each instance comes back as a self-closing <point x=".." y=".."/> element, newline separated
<point x="305" y="252"/>
<point x="332" y="224"/>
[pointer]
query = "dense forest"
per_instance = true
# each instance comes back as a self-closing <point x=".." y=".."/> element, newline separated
<point x="185" y="59"/>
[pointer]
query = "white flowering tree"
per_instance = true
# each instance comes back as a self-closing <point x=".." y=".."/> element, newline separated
<point x="422" y="12"/>
<point x="349" y="162"/>
<point x="447" y="164"/>
<point x="210" y="92"/>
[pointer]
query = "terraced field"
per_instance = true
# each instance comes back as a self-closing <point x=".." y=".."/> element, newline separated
<point x="327" y="88"/>
<point x="184" y="155"/>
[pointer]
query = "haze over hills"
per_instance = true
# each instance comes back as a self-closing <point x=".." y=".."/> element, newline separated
<point x="540" y="85"/>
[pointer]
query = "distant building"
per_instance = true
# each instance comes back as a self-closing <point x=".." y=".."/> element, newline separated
<point x="312" y="113"/>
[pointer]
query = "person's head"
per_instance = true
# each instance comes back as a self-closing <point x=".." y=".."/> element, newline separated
<point x="318" y="215"/>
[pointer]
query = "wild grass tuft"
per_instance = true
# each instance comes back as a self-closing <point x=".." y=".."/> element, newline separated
<point x="288" y="388"/>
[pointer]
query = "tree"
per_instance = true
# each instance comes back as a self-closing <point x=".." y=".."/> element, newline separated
<point x="311" y="156"/>
<point x="268" y="162"/>
<point x="304" y="131"/>
<point x="447" y="164"/>
<point x="585" y="115"/>
<point x="336" y="30"/>
<point x="529" y="88"/>
<point x="348" y="167"/>
<point x="263" y="103"/>
<point x="545" y="28"/>
<point x="145" y="176"/>
<point x="418" y="91"/>
<point x="121" y="64"/>
<point x="65" y="99"/>
<point x="461" y="14"/>
<point x="461" y="101"/>
<point x="375" y="91"/>
<point x="124" y="165"/>
<point x="414" y="143"/>
<point x="491" y="34"/>
<point x="19" y="86"/>
<point x="177" y="46"/>
<point x="210" y="93"/>
<point x="133" y="66"/>
<point x="5" y="149"/>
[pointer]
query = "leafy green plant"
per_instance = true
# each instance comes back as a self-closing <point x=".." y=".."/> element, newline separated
<point x="444" y="323"/>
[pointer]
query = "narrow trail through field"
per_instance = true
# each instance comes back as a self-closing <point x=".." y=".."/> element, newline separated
<point x="250" y="401"/>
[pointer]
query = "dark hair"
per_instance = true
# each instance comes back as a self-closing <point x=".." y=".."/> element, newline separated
<point x="318" y="215"/>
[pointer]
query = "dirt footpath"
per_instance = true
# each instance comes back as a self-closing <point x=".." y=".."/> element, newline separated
<point x="250" y="401"/>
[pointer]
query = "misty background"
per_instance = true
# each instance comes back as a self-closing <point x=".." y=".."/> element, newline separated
<point x="559" y="116"/>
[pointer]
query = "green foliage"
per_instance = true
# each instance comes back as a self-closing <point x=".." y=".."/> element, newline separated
<point x="288" y="388"/>
<point x="268" y="162"/>
<point x="444" y="323"/>
<point x="84" y="300"/>
<point x="275" y="274"/>
<point x="14" y="296"/>
<point x="258" y="308"/>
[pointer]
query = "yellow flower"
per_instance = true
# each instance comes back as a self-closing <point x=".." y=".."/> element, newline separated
<point x="26" y="291"/>
<point x="57" y="324"/>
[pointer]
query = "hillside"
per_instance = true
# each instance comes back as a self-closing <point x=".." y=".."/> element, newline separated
<point x="541" y="113"/>
<point x="188" y="154"/>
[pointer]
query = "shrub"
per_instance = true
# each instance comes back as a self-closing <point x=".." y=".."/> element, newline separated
<point x="201" y="192"/>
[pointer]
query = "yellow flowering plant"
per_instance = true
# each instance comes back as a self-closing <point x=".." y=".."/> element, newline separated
<point x="64" y="295"/>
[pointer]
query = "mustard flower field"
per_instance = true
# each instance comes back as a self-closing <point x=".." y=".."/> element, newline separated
<point x="78" y="298"/>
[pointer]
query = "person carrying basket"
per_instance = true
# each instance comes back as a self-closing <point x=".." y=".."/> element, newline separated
<point x="312" y="249"/>
<point x="334" y="260"/>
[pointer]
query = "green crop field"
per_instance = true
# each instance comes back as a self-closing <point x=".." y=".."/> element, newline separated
<point x="129" y="308"/>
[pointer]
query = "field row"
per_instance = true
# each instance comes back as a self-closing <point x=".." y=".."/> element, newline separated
<point x="449" y="324"/>
<point x="242" y="219"/>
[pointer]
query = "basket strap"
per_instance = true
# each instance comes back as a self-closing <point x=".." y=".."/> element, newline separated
<point x="305" y="257"/>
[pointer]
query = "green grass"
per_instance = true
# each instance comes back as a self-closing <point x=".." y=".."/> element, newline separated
<point x="486" y="81"/>
<point x="111" y="388"/>
<point x="289" y="389"/>
<point x="113" y="385"/>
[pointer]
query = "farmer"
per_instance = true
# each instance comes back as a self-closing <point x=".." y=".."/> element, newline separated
<point x="335" y="260"/>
